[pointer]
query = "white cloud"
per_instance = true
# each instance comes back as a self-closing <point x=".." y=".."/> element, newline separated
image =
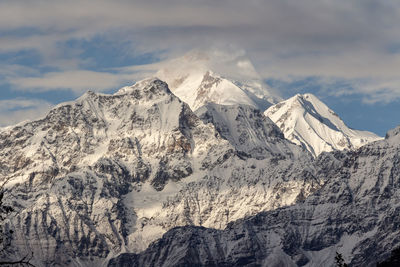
<point x="78" y="81"/>
<point x="284" y="38"/>
<point x="13" y="111"/>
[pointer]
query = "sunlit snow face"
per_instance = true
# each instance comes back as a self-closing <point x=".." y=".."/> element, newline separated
<point x="216" y="76"/>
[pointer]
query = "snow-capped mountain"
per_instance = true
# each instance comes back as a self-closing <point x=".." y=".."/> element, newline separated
<point x="308" y="122"/>
<point x="201" y="77"/>
<point x="107" y="174"/>
<point x="355" y="213"/>
<point x="99" y="179"/>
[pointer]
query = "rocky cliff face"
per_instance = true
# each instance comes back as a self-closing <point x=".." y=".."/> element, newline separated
<point x="249" y="131"/>
<point x="108" y="174"/>
<point x="355" y="213"/>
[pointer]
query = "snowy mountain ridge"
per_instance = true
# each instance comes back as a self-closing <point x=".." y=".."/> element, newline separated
<point x="307" y="121"/>
<point x="248" y="130"/>
<point x="200" y="78"/>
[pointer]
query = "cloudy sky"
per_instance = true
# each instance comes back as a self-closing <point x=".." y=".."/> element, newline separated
<point x="345" y="52"/>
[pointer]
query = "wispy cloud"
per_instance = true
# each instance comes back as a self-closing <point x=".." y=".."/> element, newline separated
<point x="15" y="110"/>
<point x="78" y="81"/>
<point x="341" y="40"/>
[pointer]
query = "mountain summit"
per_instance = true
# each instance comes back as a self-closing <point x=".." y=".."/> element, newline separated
<point x="308" y="122"/>
<point x="198" y="78"/>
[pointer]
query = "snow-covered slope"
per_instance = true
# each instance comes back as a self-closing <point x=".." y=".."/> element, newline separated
<point x="308" y="122"/>
<point x="203" y="77"/>
<point x="249" y="131"/>
<point x="355" y="213"/>
<point x="107" y="174"/>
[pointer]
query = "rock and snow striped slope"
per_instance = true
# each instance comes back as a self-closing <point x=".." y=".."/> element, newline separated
<point x="249" y="131"/>
<point x="354" y="213"/>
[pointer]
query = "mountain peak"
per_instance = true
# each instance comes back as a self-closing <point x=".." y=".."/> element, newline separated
<point x="201" y="77"/>
<point x="151" y="85"/>
<point x="307" y="121"/>
<point x="306" y="97"/>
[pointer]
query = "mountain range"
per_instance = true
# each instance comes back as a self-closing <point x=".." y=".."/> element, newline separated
<point x="304" y="119"/>
<point x="198" y="169"/>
